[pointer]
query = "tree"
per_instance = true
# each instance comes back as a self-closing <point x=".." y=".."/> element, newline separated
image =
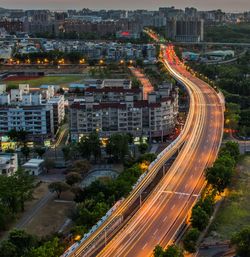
<point x="73" y="178"/>
<point x="22" y="241"/>
<point x="5" y="216"/>
<point x="15" y="190"/>
<point x="8" y="249"/>
<point x="78" y="230"/>
<point x="25" y="151"/>
<point x="171" y="251"/>
<point x="232" y="148"/>
<point x="150" y="157"/>
<point x="58" y="187"/>
<point x="118" y="146"/>
<point x="18" y="136"/>
<point x="81" y="166"/>
<point x="40" y="151"/>
<point x="50" y="248"/>
<point x="71" y="151"/>
<point x="158" y="251"/>
<point x="143" y="147"/>
<point x="232" y="115"/>
<point x="199" y="218"/>
<point x="95" y="145"/>
<point x="89" y="146"/>
<point x="136" y="83"/>
<point x="23" y="185"/>
<point x="207" y="203"/>
<point x="48" y="164"/>
<point x="12" y="134"/>
<point x="220" y="175"/>
<point x="242" y="242"/>
<point x="190" y="240"/>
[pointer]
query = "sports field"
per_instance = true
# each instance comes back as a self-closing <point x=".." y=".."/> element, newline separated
<point x="63" y="81"/>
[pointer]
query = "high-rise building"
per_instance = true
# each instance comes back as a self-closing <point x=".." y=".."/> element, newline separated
<point x="185" y="29"/>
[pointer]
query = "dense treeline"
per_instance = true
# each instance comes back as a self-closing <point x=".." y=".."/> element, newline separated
<point x="53" y="57"/>
<point x="241" y="241"/>
<point x="234" y="81"/>
<point x="14" y="191"/>
<point x="232" y="33"/>
<point x="218" y="177"/>
<point x="171" y="251"/>
<point x="95" y="200"/>
<point x="21" y="244"/>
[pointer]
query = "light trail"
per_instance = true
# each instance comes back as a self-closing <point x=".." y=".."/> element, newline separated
<point x="202" y="138"/>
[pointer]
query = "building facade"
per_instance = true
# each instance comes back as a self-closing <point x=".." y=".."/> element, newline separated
<point x="8" y="164"/>
<point x="36" y="120"/>
<point x="110" y="110"/>
<point x="39" y="113"/>
<point x="185" y="29"/>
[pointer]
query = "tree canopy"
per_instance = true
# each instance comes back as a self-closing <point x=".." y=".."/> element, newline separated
<point x="171" y="251"/>
<point x="242" y="242"/>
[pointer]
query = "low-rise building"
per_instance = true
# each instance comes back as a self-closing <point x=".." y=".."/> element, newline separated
<point x="34" y="166"/>
<point x="8" y="164"/>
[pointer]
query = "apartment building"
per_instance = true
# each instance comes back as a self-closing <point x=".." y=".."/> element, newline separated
<point x="38" y="115"/>
<point x="109" y="110"/>
<point x="57" y="103"/>
<point x="36" y="120"/>
<point x="8" y="163"/>
<point x="185" y="29"/>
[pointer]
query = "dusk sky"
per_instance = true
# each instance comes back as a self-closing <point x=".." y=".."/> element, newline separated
<point x="226" y="5"/>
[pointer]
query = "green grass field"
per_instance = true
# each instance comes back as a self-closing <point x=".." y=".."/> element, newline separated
<point x="234" y="212"/>
<point x="55" y="80"/>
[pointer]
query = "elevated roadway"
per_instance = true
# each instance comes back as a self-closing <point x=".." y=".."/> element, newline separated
<point x="162" y="215"/>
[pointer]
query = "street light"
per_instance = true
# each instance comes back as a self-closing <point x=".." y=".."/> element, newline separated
<point x="82" y="61"/>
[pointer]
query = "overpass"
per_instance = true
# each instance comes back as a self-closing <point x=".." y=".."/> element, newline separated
<point x="163" y="213"/>
<point x="213" y="44"/>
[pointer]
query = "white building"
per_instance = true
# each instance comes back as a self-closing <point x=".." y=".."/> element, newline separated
<point x="16" y="95"/>
<point x="8" y="164"/>
<point x="34" y="166"/>
<point x="2" y="88"/>
<point x="25" y="88"/>
<point x="32" y="99"/>
<point x="58" y="110"/>
<point x="39" y="116"/>
<point x="4" y="99"/>
<point x="48" y="91"/>
<point x="36" y="120"/>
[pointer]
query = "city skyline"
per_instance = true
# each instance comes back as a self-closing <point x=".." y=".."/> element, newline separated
<point x="225" y="5"/>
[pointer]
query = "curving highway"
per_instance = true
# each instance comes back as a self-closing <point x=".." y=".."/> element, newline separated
<point x="165" y="210"/>
<point x="161" y="216"/>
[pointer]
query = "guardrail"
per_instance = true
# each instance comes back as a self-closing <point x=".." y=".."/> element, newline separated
<point x="111" y="211"/>
<point x="151" y="172"/>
